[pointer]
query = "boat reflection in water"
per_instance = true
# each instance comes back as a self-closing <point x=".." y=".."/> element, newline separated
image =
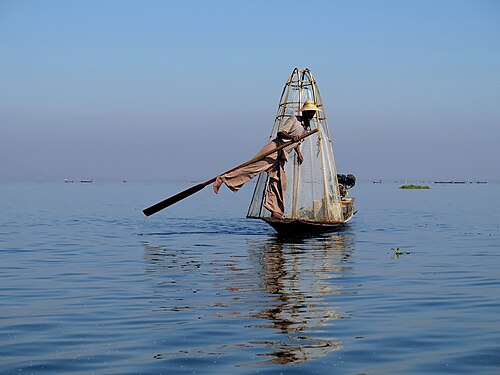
<point x="298" y="277"/>
<point x="255" y="300"/>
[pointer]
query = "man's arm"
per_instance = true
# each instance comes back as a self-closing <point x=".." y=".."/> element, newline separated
<point x="285" y="135"/>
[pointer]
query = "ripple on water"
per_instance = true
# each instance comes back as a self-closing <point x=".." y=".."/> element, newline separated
<point x="101" y="290"/>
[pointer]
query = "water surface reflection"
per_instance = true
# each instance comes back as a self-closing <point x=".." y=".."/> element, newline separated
<point x="261" y="300"/>
<point x="299" y="277"/>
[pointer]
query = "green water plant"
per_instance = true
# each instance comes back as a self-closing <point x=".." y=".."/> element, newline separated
<point x="398" y="252"/>
<point x="411" y="186"/>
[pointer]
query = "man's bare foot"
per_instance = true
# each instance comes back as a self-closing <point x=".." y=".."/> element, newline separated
<point x="217" y="184"/>
<point x="276" y="215"/>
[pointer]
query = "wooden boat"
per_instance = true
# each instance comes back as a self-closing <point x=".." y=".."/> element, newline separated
<point x="316" y="196"/>
<point x="304" y="227"/>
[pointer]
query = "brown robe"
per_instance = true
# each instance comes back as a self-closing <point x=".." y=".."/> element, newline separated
<point x="273" y="164"/>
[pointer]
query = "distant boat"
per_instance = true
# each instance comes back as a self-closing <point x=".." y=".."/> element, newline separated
<point x="377" y="182"/>
<point x="86" y="181"/>
<point x="68" y="181"/>
<point x="460" y="182"/>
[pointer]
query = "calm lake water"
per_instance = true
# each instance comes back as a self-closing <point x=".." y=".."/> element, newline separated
<point x="90" y="285"/>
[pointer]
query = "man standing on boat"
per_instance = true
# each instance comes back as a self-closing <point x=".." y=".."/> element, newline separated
<point x="274" y="163"/>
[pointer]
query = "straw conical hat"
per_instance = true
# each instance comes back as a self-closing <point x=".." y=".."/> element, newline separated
<point x="309" y="105"/>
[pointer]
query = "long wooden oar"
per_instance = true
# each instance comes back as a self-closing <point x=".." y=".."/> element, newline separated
<point x="188" y="192"/>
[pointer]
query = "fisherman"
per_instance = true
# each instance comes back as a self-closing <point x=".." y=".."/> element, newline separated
<point x="274" y="163"/>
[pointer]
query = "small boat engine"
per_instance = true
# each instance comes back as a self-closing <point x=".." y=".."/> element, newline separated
<point x="345" y="183"/>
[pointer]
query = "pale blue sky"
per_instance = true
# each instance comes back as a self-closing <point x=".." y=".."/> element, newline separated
<point x="187" y="89"/>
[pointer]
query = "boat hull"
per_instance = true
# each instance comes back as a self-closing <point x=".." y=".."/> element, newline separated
<point x="292" y="228"/>
<point x="305" y="227"/>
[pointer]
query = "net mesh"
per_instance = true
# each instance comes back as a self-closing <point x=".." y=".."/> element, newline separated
<point x="312" y="190"/>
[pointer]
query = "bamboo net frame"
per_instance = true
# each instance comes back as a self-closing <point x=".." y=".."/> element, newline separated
<point x="299" y="87"/>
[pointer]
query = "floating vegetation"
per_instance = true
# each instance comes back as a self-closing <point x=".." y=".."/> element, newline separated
<point x="398" y="252"/>
<point x="414" y="187"/>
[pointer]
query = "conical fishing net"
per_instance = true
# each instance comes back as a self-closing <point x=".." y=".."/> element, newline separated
<point x="312" y="192"/>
